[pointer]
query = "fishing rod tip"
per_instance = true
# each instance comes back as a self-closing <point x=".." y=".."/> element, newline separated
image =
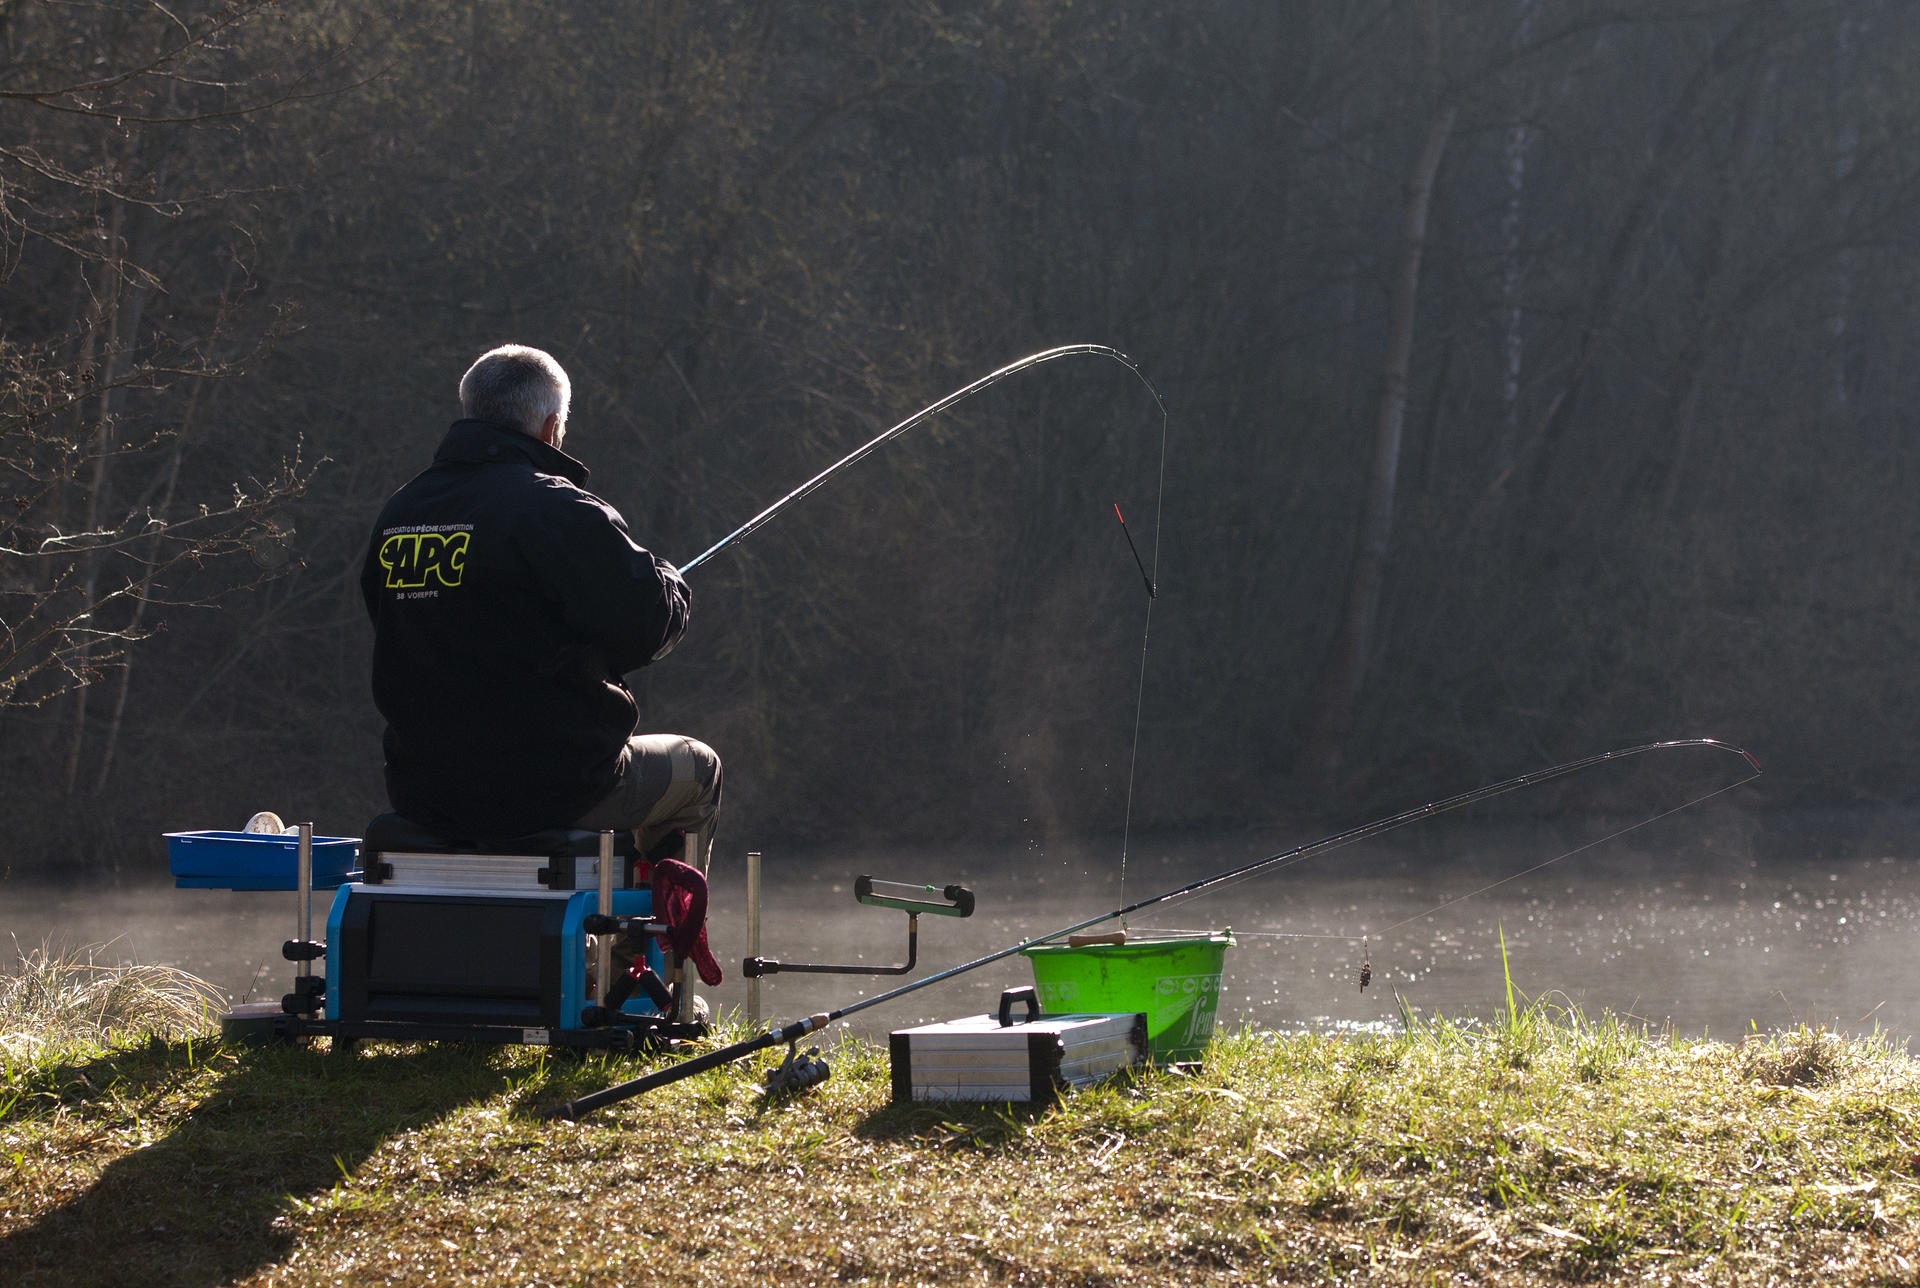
<point x="1741" y="752"/>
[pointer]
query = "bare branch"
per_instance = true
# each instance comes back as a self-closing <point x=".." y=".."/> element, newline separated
<point x="224" y="20"/>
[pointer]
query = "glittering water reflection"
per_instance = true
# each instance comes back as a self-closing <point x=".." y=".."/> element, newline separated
<point x="1718" y="951"/>
<point x="1682" y="932"/>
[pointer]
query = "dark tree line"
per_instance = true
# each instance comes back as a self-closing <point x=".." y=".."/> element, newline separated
<point x="1536" y="371"/>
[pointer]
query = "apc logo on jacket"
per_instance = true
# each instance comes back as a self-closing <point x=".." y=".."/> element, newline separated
<point x="412" y="556"/>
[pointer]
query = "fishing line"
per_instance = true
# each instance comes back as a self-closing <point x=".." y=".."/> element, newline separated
<point x="1227" y="881"/>
<point x="1578" y="849"/>
<point x="1491" y="885"/>
<point x="1146" y="633"/>
<point x="957" y="396"/>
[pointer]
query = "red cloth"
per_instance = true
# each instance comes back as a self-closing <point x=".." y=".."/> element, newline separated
<point x="680" y="900"/>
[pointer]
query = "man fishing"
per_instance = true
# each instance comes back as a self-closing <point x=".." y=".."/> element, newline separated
<point x="508" y="602"/>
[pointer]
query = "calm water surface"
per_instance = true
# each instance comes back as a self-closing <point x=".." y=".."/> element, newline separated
<point x="1679" y="930"/>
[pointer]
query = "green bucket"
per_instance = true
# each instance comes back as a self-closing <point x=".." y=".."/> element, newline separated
<point x="1173" y="979"/>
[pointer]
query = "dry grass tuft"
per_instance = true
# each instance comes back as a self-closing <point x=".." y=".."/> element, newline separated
<point x="57" y="1001"/>
<point x="1805" y="1057"/>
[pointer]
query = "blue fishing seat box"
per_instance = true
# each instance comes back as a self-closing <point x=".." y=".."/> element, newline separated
<point x="444" y="956"/>
<point x="441" y="932"/>
<point x="256" y="860"/>
<point x="442" y="938"/>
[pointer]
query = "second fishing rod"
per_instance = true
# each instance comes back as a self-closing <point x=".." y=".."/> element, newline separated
<point x="799" y="1028"/>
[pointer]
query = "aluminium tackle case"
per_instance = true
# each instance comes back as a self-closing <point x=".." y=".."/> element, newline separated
<point x="999" y="1058"/>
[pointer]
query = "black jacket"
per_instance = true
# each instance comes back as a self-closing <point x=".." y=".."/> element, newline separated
<point x="507" y="602"/>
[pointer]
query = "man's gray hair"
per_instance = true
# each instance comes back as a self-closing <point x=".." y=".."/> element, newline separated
<point x="516" y="385"/>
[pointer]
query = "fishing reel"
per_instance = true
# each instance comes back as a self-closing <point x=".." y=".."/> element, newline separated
<point x="797" y="1072"/>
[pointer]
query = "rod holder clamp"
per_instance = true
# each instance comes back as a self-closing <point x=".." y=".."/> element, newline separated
<point x="308" y="995"/>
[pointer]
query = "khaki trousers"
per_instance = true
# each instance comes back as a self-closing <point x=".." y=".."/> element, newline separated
<point x="672" y="782"/>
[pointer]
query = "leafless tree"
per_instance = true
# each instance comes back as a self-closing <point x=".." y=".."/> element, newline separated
<point x="125" y="275"/>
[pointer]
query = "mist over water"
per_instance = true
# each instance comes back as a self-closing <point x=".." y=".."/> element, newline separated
<point x="1703" y="947"/>
<point x="1676" y="927"/>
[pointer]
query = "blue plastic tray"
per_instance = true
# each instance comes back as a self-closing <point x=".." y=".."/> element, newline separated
<point x="254" y="861"/>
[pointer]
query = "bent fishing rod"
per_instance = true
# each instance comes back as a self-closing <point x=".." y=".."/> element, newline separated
<point x="572" y="1110"/>
<point x="958" y="396"/>
<point x="934" y="409"/>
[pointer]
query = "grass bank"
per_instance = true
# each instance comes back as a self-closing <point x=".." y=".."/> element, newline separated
<point x="1548" y="1148"/>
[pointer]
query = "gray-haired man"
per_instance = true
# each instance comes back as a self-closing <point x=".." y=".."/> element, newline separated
<point x="507" y="603"/>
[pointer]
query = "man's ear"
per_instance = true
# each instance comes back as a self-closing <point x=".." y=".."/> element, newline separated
<point x="550" y="430"/>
